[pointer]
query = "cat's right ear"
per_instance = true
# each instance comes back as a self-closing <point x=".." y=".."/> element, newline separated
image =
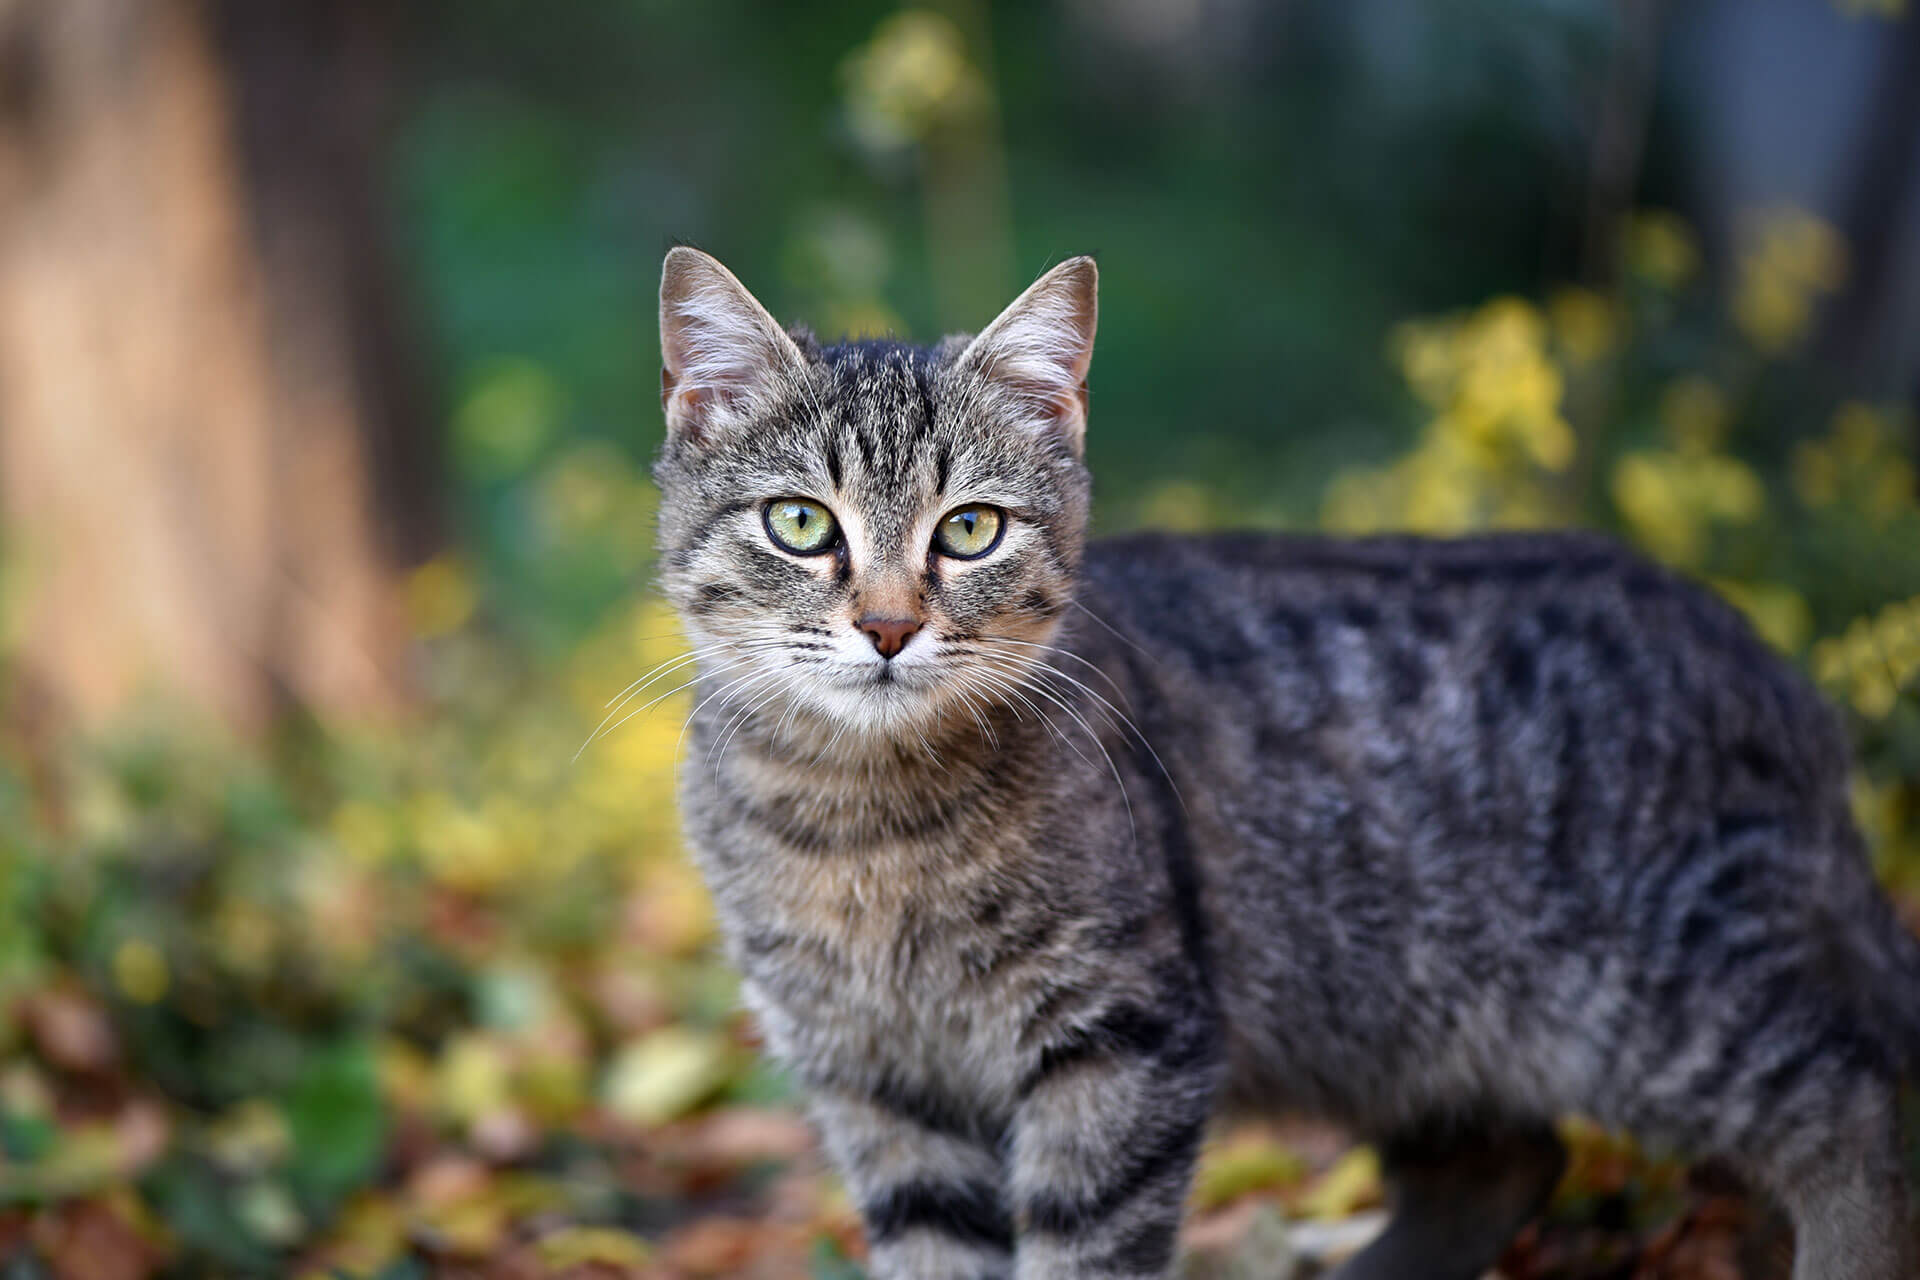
<point x="721" y="355"/>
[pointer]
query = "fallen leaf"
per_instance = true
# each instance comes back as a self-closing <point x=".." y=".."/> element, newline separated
<point x="1352" y="1183"/>
<point x="665" y="1074"/>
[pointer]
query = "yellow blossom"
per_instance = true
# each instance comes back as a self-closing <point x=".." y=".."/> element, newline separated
<point x="1778" y="612"/>
<point x="140" y="971"/>
<point x="1584" y="324"/>
<point x="1788" y="260"/>
<point x="1694" y="412"/>
<point x="1670" y="500"/>
<point x="912" y="77"/>
<point x="1495" y="436"/>
<point x="1180" y="505"/>
<point x="1857" y="462"/>
<point x="440" y="596"/>
<point x="1874" y="659"/>
<point x="1660" y="248"/>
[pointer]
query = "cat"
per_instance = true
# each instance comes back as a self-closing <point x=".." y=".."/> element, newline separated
<point x="1035" y="854"/>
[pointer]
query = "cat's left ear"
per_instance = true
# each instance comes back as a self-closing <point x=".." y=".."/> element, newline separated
<point x="1040" y="348"/>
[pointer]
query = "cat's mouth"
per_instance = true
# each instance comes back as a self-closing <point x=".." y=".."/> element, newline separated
<point x="890" y="679"/>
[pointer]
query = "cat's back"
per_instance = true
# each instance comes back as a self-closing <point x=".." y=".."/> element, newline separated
<point x="1486" y="682"/>
<point x="1425" y="777"/>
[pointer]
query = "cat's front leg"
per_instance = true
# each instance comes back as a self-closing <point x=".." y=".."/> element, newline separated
<point x="1104" y="1143"/>
<point x="929" y="1193"/>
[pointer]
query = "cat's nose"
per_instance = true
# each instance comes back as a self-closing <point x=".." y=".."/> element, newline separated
<point x="889" y="635"/>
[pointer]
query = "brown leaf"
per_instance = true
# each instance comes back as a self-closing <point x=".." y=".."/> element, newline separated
<point x="90" y="1240"/>
<point x="72" y="1030"/>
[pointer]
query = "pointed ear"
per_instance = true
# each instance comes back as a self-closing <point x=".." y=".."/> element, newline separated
<point x="1040" y="347"/>
<point x="721" y="354"/>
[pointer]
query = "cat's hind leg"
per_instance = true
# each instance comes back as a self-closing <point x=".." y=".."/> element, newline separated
<point x="1840" y="1177"/>
<point x="1459" y="1195"/>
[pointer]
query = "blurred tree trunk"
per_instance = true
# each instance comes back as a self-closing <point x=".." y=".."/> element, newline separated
<point x="1875" y="215"/>
<point x="214" y="463"/>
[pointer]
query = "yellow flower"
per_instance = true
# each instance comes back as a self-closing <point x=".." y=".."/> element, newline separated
<point x="1859" y="431"/>
<point x="910" y="78"/>
<point x="1181" y="505"/>
<point x="1669" y="499"/>
<point x="1427" y="359"/>
<point x="140" y="971"/>
<point x="1584" y="323"/>
<point x="1661" y="249"/>
<point x="440" y="596"/>
<point x="506" y="417"/>
<point x="1816" y="478"/>
<point x="364" y="830"/>
<point x="1874" y="658"/>
<point x="1789" y="258"/>
<point x="1646" y="493"/>
<point x="1778" y="612"/>
<point x="1859" y="463"/>
<point x="1694" y="411"/>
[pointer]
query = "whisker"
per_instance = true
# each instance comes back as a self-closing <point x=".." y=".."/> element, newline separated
<point x="1126" y="721"/>
<point x="725" y="692"/>
<point x="714" y="756"/>
<point x="1116" y="632"/>
<point x="986" y="730"/>
<point x="1054" y="697"/>
<point x="1065" y="653"/>
<point x="692" y="655"/>
<point x="605" y="731"/>
<point x="1121" y="718"/>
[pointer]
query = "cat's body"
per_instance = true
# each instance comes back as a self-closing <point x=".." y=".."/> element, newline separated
<point x="1438" y="839"/>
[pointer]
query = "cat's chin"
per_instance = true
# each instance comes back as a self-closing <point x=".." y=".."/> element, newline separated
<point x="884" y="705"/>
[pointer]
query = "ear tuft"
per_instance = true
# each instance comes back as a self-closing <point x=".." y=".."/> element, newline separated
<point x="721" y="355"/>
<point x="1041" y="347"/>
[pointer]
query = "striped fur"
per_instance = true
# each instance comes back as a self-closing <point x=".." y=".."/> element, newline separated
<point x="1440" y="840"/>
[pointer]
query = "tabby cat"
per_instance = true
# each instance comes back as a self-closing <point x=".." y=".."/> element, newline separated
<point x="1036" y="854"/>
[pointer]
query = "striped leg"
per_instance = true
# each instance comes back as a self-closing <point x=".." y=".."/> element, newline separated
<point x="1835" y="1161"/>
<point x="1104" y="1145"/>
<point x="930" y="1195"/>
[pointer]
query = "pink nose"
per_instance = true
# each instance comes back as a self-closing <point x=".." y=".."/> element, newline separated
<point x="889" y="635"/>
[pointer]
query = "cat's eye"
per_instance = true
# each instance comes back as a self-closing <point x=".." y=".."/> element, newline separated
<point x="801" y="525"/>
<point x="967" y="533"/>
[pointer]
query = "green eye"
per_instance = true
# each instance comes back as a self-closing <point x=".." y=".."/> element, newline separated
<point x="969" y="532"/>
<point x="801" y="525"/>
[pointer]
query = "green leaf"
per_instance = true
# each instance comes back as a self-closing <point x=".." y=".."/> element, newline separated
<point x="338" y="1126"/>
<point x="198" y="1207"/>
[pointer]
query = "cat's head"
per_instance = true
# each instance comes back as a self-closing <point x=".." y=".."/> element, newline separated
<point x="879" y="534"/>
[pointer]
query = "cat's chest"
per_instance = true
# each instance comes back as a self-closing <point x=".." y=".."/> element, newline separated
<point x="869" y="930"/>
<point x="872" y="989"/>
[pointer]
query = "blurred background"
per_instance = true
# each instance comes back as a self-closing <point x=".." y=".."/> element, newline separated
<point x="328" y="384"/>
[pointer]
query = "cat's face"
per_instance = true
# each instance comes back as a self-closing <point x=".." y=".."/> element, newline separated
<point x="876" y="534"/>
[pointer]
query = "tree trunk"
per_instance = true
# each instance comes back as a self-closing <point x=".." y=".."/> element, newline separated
<point x="213" y="463"/>
<point x="1875" y="213"/>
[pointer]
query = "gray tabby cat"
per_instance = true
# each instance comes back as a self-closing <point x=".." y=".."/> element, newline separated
<point x="1035" y="854"/>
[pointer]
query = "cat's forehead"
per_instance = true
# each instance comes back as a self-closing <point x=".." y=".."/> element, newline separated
<point x="881" y="404"/>
<point x="899" y="428"/>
